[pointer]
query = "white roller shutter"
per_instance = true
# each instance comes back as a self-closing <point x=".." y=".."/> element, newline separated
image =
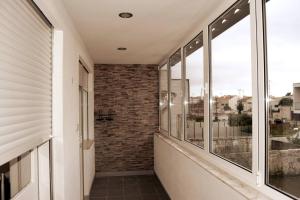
<point x="25" y="78"/>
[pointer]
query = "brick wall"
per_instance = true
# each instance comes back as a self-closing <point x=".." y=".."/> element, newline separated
<point x="130" y="92"/>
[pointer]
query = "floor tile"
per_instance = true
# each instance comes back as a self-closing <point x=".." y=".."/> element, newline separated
<point x="128" y="188"/>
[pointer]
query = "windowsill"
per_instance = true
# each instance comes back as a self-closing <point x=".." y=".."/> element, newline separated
<point x="241" y="187"/>
<point x="87" y="144"/>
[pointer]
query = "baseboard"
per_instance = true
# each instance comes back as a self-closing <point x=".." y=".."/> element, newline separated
<point x="125" y="173"/>
<point x="86" y="197"/>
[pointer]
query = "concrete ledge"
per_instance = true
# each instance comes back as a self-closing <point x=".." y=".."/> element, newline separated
<point x="242" y="188"/>
<point x="125" y="173"/>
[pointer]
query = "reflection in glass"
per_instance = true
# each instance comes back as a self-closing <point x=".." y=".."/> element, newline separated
<point x="231" y="86"/>
<point x="194" y="102"/>
<point x="83" y="113"/>
<point x="175" y="95"/>
<point x="283" y="69"/>
<point x="163" y="98"/>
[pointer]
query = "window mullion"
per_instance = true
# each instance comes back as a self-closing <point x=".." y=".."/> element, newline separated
<point x="207" y="88"/>
<point x="255" y="92"/>
<point x="259" y="53"/>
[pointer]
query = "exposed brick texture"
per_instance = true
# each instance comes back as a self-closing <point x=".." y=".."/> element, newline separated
<point x="131" y="92"/>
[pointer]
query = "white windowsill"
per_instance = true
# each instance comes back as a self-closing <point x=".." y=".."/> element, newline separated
<point x="243" y="188"/>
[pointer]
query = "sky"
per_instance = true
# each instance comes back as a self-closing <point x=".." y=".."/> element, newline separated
<point x="231" y="54"/>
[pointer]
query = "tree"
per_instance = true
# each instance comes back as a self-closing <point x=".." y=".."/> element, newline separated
<point x="226" y="107"/>
<point x="242" y="120"/>
<point x="286" y="102"/>
<point x="240" y="107"/>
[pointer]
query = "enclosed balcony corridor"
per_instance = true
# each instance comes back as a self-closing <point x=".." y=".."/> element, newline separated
<point x="149" y="100"/>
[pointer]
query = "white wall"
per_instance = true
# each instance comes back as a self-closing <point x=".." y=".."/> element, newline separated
<point x="68" y="48"/>
<point x="184" y="179"/>
<point x="89" y="169"/>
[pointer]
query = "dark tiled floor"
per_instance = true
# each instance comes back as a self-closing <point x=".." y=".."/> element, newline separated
<point x="128" y="188"/>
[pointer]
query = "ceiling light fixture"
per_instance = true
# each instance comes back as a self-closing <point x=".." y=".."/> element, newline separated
<point x="122" y="49"/>
<point x="224" y="20"/>
<point x="236" y="11"/>
<point x="197" y="42"/>
<point x="213" y="29"/>
<point x="125" y="15"/>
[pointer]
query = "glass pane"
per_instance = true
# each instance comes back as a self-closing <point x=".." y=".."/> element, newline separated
<point x="283" y="44"/>
<point x="231" y="86"/>
<point x="176" y="95"/>
<point x="85" y="115"/>
<point x="19" y="173"/>
<point x="194" y="103"/>
<point x="163" y="98"/>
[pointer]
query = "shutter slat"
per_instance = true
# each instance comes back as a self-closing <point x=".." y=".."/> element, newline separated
<point x="5" y="94"/>
<point x="24" y="141"/>
<point x="21" y="10"/>
<point x="23" y="72"/>
<point x="10" y="121"/>
<point x="23" y="39"/>
<point x="20" y="25"/>
<point x="22" y="57"/>
<point x="23" y="64"/>
<point x="11" y="74"/>
<point x="22" y="30"/>
<point x="30" y="12"/>
<point x="22" y="125"/>
<point x="23" y="102"/>
<point x="25" y="79"/>
<point x="20" y="87"/>
<point x="8" y="112"/>
<point x="5" y="46"/>
<point x="23" y="133"/>
<point x="9" y="77"/>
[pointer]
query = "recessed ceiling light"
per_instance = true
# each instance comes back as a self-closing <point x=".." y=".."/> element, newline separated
<point x="197" y="42"/>
<point x="191" y="47"/>
<point x="224" y="20"/>
<point x="122" y="49"/>
<point x="125" y="15"/>
<point x="213" y="29"/>
<point x="236" y="11"/>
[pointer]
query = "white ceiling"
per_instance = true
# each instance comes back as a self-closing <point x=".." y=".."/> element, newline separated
<point x="157" y="27"/>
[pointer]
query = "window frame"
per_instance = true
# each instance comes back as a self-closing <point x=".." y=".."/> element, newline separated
<point x="201" y="33"/>
<point x="256" y="178"/>
<point x="181" y="90"/>
<point x="254" y="86"/>
<point x="268" y="188"/>
<point x="165" y="64"/>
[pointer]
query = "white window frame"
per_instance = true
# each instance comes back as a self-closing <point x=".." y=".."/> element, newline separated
<point x="166" y="64"/>
<point x="263" y="102"/>
<point x="30" y="189"/>
<point x="257" y="177"/>
<point x="180" y="138"/>
<point x="244" y="173"/>
<point x="185" y="99"/>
